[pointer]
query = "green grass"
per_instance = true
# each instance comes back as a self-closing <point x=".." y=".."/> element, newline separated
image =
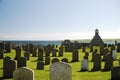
<point x="76" y="75"/>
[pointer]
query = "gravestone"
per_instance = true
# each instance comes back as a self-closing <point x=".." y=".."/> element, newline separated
<point x="83" y="49"/>
<point x="40" y="54"/>
<point x="93" y="54"/>
<point x="47" y="54"/>
<point x="84" y="64"/>
<point x="64" y="60"/>
<point x="9" y="67"/>
<point x="115" y="73"/>
<point x="108" y="62"/>
<point x="54" y="60"/>
<point x="47" y="60"/>
<point x="4" y="60"/>
<point x="34" y="54"/>
<point x="54" y="53"/>
<point x="40" y="65"/>
<point x="118" y="47"/>
<point x="8" y="47"/>
<point x="91" y="48"/>
<point x="96" y="62"/>
<point x="23" y="73"/>
<point x="27" y="55"/>
<point x="21" y="62"/>
<point x="18" y="52"/>
<point x="114" y="54"/>
<point x="75" y="56"/>
<point x="60" y="51"/>
<point x="1" y="53"/>
<point x="60" y="71"/>
<point x="105" y="51"/>
<point x="31" y="46"/>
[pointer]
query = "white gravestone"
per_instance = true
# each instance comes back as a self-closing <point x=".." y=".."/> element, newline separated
<point x="114" y="54"/>
<point x="60" y="71"/>
<point x="23" y="73"/>
<point x="84" y="65"/>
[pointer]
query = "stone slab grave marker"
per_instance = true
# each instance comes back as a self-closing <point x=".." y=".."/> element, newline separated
<point x="115" y="73"/>
<point x="18" y="52"/>
<point x="1" y="53"/>
<point x="55" y="60"/>
<point x="84" y="64"/>
<point x="114" y="54"/>
<point x="9" y="67"/>
<point x="23" y="73"/>
<point x="40" y="65"/>
<point x="60" y="71"/>
<point x="21" y="62"/>
<point x="75" y="56"/>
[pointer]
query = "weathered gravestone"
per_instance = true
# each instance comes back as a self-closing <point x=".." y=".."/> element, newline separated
<point x="21" y="62"/>
<point x="64" y="60"/>
<point x="9" y="67"/>
<point x="114" y="54"/>
<point x="84" y="64"/>
<point x="40" y="65"/>
<point x="31" y="46"/>
<point x="55" y="60"/>
<point x="8" y="47"/>
<point x="4" y="60"/>
<point x="23" y="73"/>
<point x="60" y="71"/>
<point x="115" y="73"/>
<point x="96" y="62"/>
<point x="108" y="62"/>
<point x="47" y="60"/>
<point x="75" y="56"/>
<point x="18" y="52"/>
<point x="1" y="53"/>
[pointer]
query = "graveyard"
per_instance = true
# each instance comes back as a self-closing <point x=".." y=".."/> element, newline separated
<point x="69" y="61"/>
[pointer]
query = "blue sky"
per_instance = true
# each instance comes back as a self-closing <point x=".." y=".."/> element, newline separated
<point x="58" y="19"/>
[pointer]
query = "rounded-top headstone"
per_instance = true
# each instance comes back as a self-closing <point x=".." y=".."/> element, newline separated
<point x="65" y="60"/>
<point x="23" y="73"/>
<point x="54" y="60"/>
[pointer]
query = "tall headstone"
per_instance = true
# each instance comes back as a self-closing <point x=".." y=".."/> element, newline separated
<point x="75" y="56"/>
<point x="18" y="52"/>
<point x="54" y="53"/>
<point x="118" y="47"/>
<point x="108" y="62"/>
<point x="34" y="54"/>
<point x="40" y="54"/>
<point x="31" y="48"/>
<point x="47" y="60"/>
<point x="114" y="54"/>
<point x="23" y="73"/>
<point x="27" y="55"/>
<point x="9" y="67"/>
<point x="8" y="47"/>
<point x="60" y="51"/>
<point x="96" y="62"/>
<point x="1" y="53"/>
<point x="21" y="62"/>
<point x="60" y="71"/>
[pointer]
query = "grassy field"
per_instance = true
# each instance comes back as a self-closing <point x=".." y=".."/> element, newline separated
<point x="76" y="75"/>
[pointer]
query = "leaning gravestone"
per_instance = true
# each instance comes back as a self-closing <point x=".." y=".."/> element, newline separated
<point x="9" y="67"/>
<point x="60" y="71"/>
<point x="115" y="73"/>
<point x="75" y="56"/>
<point x="21" y="62"/>
<point x="40" y="65"/>
<point x="23" y="73"/>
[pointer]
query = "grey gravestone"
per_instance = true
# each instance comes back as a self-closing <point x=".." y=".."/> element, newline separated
<point x="108" y="62"/>
<point x="96" y="62"/>
<point x="21" y="62"/>
<point x="60" y="71"/>
<point x="40" y="65"/>
<point x="9" y="67"/>
<point x="55" y="60"/>
<point x="115" y="73"/>
<point x="65" y="60"/>
<point x="75" y="56"/>
<point x="84" y="64"/>
<point x="18" y="52"/>
<point x="114" y="54"/>
<point x="27" y="55"/>
<point x="23" y="73"/>
<point x="47" y="60"/>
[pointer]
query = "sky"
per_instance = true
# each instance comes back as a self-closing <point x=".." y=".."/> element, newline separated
<point x="59" y="19"/>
